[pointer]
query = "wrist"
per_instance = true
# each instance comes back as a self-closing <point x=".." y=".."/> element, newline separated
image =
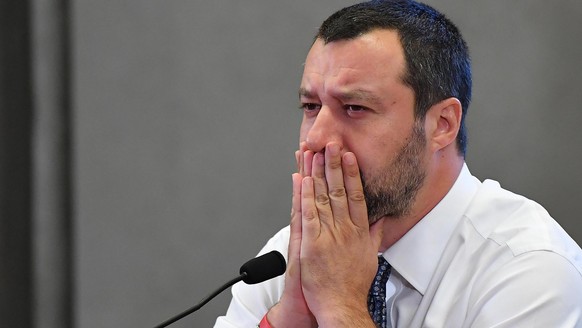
<point x="279" y="317"/>
<point x="264" y="323"/>
<point x="345" y="316"/>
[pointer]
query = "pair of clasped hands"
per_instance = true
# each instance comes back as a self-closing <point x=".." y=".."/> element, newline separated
<point x="333" y="250"/>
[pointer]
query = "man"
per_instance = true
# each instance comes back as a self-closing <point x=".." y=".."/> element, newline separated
<point x="381" y="177"/>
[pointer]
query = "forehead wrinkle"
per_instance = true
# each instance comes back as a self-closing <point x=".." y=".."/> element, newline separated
<point x="357" y="94"/>
<point x="342" y="83"/>
<point x="348" y="81"/>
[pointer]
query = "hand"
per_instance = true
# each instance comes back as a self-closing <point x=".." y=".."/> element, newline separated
<point x="292" y="310"/>
<point x="338" y="256"/>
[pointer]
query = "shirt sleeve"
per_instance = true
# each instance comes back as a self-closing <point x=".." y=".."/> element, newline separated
<point x="535" y="289"/>
<point x="251" y="302"/>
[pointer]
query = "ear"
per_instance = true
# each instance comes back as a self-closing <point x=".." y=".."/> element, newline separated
<point x="442" y="124"/>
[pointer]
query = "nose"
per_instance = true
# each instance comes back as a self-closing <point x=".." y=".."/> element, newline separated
<point x="324" y="129"/>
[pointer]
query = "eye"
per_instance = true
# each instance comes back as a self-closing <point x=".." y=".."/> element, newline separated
<point x="354" y="109"/>
<point x="310" y="107"/>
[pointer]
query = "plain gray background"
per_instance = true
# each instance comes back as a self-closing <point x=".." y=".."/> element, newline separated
<point x="185" y="123"/>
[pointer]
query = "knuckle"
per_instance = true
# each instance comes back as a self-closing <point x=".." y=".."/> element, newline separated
<point x="318" y="175"/>
<point x="337" y="192"/>
<point x="335" y="164"/>
<point x="322" y="199"/>
<point x="353" y="173"/>
<point x="309" y="214"/>
<point x="357" y="196"/>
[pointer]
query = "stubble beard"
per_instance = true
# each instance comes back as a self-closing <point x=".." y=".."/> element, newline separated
<point x="391" y="191"/>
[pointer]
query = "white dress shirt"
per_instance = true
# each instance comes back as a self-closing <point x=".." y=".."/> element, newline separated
<point x="483" y="257"/>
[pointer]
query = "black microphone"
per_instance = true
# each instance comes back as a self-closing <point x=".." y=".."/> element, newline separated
<point x="254" y="271"/>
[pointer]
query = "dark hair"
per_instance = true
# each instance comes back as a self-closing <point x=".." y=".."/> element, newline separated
<point x="437" y="58"/>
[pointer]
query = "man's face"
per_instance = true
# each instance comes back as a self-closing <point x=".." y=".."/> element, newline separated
<point x="352" y="94"/>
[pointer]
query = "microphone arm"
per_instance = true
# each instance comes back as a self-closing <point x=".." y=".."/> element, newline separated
<point x="203" y="302"/>
<point x="254" y="271"/>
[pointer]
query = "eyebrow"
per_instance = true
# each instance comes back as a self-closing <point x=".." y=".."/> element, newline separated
<point x="305" y="93"/>
<point x="358" y="94"/>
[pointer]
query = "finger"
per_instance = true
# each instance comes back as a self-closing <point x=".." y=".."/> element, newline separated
<point x="320" y="191"/>
<point x="293" y="272"/>
<point x="298" y="161"/>
<point x="310" y="225"/>
<point x="307" y="162"/>
<point x="295" y="226"/>
<point x="299" y="157"/>
<point x="354" y="191"/>
<point x="296" y="204"/>
<point x="335" y="183"/>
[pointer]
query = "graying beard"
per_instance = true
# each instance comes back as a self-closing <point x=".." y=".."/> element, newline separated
<point x="393" y="196"/>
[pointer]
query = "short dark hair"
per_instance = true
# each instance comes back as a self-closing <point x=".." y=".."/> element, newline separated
<point x="437" y="58"/>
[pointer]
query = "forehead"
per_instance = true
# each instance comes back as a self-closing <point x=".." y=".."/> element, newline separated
<point x="373" y="57"/>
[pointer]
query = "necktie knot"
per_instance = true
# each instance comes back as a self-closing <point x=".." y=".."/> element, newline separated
<point x="377" y="294"/>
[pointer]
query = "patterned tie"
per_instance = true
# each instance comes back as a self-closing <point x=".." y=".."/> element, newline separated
<point x="377" y="295"/>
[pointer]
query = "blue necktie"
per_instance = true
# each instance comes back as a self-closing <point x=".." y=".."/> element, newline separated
<point x="377" y="295"/>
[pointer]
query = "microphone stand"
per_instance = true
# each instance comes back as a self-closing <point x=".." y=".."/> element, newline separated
<point x="254" y="271"/>
<point x="203" y="302"/>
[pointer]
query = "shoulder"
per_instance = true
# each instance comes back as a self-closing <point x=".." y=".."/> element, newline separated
<point x="530" y="269"/>
<point x="521" y="226"/>
<point x="533" y="289"/>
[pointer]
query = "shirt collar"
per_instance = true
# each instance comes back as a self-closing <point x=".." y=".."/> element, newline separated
<point x="416" y="255"/>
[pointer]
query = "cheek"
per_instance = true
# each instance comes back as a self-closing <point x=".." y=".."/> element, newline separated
<point x="367" y="156"/>
<point x="374" y="154"/>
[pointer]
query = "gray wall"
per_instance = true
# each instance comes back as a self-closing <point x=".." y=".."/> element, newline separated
<point x="185" y="123"/>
